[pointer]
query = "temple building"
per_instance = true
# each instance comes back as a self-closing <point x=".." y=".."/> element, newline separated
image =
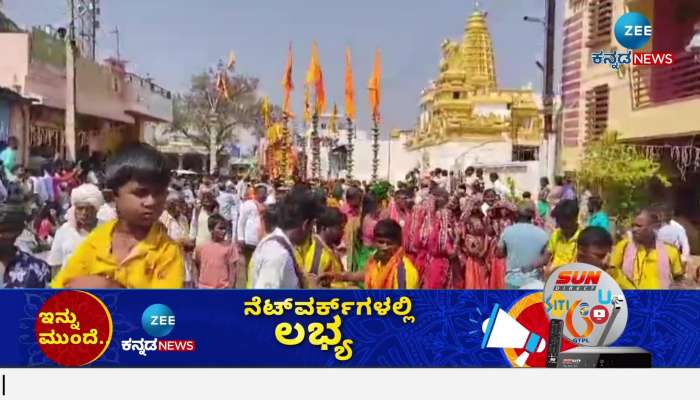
<point x="465" y="120"/>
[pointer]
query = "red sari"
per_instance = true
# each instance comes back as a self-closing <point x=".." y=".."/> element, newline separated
<point x="440" y="246"/>
<point x="417" y="237"/>
<point x="474" y="247"/>
<point x="501" y="216"/>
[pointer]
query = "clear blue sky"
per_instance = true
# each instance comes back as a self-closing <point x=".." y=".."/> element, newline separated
<point x="172" y="39"/>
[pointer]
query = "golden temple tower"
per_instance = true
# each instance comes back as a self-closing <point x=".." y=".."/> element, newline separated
<point x="477" y="51"/>
<point x="464" y="103"/>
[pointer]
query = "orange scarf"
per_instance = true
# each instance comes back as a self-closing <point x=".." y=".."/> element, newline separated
<point x="383" y="278"/>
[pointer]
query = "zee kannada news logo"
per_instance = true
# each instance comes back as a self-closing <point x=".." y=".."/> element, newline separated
<point x="158" y="320"/>
<point x="632" y="31"/>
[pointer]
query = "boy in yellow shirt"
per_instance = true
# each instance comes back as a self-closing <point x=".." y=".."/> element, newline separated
<point x="562" y="246"/>
<point x="388" y="268"/>
<point x="320" y="256"/>
<point x="133" y="251"/>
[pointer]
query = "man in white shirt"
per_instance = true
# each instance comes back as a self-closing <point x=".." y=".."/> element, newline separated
<point x="228" y="202"/>
<point x="501" y="190"/>
<point x="242" y="188"/>
<point x="108" y="210"/>
<point x="276" y="263"/>
<point x="249" y="227"/>
<point x="673" y="233"/>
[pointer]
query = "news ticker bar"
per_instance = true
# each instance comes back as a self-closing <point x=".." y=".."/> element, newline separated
<point x="78" y="384"/>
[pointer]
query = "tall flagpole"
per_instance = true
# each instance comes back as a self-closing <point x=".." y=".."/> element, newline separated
<point x="375" y="149"/>
<point x="351" y="148"/>
<point x="286" y="149"/>
<point x="315" y="148"/>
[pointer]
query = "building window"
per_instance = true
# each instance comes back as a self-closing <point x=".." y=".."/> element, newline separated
<point x="526" y="153"/>
<point x="455" y="95"/>
<point x="599" y="22"/>
<point x="115" y="84"/>
<point x="597" y="112"/>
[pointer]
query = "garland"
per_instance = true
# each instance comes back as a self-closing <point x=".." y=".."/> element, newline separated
<point x="685" y="157"/>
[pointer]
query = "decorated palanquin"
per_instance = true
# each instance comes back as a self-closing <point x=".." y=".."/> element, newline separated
<point x="276" y="150"/>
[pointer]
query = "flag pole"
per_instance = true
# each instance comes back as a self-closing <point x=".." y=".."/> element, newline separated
<point x="286" y="149"/>
<point x="375" y="149"/>
<point x="315" y="148"/>
<point x="350" y="160"/>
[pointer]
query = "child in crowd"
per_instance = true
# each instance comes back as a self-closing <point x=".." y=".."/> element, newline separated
<point x="594" y="246"/>
<point x="217" y="259"/>
<point x="134" y="250"/>
<point x="45" y="223"/>
<point x="388" y="268"/>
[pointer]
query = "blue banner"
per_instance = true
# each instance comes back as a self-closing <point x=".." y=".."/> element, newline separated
<point x="203" y="328"/>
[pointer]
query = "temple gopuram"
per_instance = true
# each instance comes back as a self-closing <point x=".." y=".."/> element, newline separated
<point x="466" y="119"/>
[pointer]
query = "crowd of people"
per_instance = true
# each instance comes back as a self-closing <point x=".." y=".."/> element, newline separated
<point x="128" y="223"/>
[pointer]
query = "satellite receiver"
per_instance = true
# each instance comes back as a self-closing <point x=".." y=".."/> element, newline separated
<point x="587" y="307"/>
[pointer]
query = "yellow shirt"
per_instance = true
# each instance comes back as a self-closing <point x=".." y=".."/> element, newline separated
<point x="332" y="203"/>
<point x="155" y="263"/>
<point x="646" y="266"/>
<point x="412" y="278"/>
<point x="563" y="251"/>
<point x="328" y="261"/>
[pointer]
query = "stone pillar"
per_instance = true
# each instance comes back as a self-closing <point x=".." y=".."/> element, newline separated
<point x="179" y="160"/>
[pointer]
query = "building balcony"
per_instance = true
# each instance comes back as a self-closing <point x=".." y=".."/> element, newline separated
<point x="654" y="86"/>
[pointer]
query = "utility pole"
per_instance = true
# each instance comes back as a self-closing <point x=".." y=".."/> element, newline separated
<point x="70" y="141"/>
<point x="115" y="32"/>
<point x="553" y="145"/>
<point x="86" y="14"/>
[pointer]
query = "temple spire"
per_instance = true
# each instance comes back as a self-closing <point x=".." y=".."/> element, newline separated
<point x="478" y="52"/>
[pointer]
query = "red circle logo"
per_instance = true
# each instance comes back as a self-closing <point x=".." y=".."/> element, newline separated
<point x="529" y="311"/>
<point x="73" y="328"/>
<point x="599" y="314"/>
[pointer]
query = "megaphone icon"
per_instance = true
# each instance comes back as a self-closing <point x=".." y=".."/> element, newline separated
<point x="503" y="331"/>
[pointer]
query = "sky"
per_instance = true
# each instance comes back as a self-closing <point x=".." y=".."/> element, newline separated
<point x="173" y="39"/>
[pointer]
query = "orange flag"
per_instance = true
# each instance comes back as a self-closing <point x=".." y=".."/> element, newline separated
<point x="308" y="83"/>
<point x="307" y="105"/>
<point x="375" y="88"/>
<point x="320" y="105"/>
<point x="288" y="84"/>
<point x="332" y="121"/>
<point x="349" y="87"/>
<point x="222" y="85"/>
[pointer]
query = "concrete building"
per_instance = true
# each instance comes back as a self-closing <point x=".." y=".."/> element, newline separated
<point x="113" y="105"/>
<point x="655" y="108"/>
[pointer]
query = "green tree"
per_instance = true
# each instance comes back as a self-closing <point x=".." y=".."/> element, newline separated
<point x="619" y="174"/>
<point x="205" y="111"/>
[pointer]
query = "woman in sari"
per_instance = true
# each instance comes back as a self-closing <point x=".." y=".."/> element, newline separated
<point x="412" y="231"/>
<point x="440" y="243"/>
<point x="501" y="216"/>
<point x="473" y="246"/>
<point x="371" y="214"/>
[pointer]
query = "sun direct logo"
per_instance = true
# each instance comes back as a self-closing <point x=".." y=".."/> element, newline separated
<point x="158" y="320"/>
<point x="632" y="31"/>
<point x="577" y="281"/>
